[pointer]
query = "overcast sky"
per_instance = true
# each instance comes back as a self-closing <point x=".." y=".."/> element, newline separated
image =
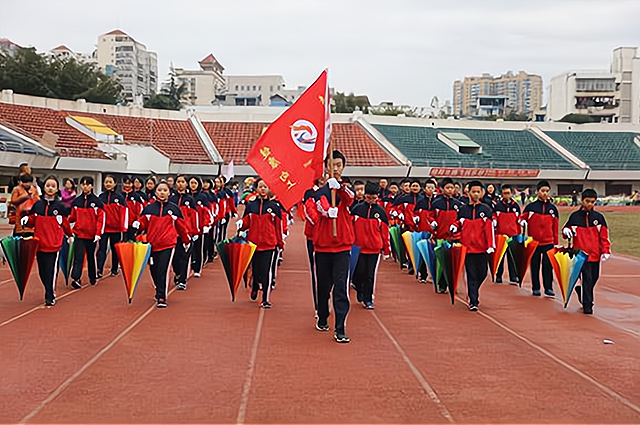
<point x="400" y="51"/>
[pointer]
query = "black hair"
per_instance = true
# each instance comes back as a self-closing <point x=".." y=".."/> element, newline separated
<point x="457" y="184"/>
<point x="346" y="180"/>
<point x="183" y="176"/>
<point x="198" y="179"/>
<point x="475" y="183"/>
<point x="542" y="183"/>
<point x="23" y="165"/>
<point x="393" y="184"/>
<point x="142" y="182"/>
<point x="589" y="193"/>
<point x="371" y="188"/>
<point x="155" y="180"/>
<point x="416" y="181"/>
<point x="112" y="177"/>
<point x="336" y="155"/>
<point x="445" y="181"/>
<point x="405" y="180"/>
<point x="432" y="181"/>
<point x="87" y="180"/>
<point x="358" y="183"/>
<point x="127" y="179"/>
<point x="162" y="181"/>
<point x="26" y="178"/>
<point x="506" y="186"/>
<point x="67" y="179"/>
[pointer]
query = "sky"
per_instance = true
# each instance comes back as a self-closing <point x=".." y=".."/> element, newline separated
<point x="402" y="51"/>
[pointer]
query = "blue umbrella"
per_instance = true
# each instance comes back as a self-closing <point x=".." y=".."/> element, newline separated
<point x="426" y="249"/>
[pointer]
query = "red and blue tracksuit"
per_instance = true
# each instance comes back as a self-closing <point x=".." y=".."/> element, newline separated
<point x="542" y="225"/>
<point x="506" y="216"/>
<point x="116" y="214"/>
<point x="88" y="221"/>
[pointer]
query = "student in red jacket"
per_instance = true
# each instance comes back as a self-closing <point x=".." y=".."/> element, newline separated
<point x="590" y="233"/>
<point x="371" y="230"/>
<point x="116" y="214"/>
<point x="541" y="219"/>
<point x="150" y="189"/>
<point x="203" y="224"/>
<point x="87" y="216"/>
<point x="444" y="213"/>
<point x="506" y="213"/>
<point x="164" y="224"/>
<point x="182" y="257"/>
<point x="423" y="217"/>
<point x="49" y="218"/>
<point x="135" y="204"/>
<point x="333" y="251"/>
<point x="476" y="233"/>
<point x="311" y="218"/>
<point x="263" y="220"/>
<point x="209" y="238"/>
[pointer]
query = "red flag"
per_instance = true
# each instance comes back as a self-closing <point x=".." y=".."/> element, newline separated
<point x="290" y="154"/>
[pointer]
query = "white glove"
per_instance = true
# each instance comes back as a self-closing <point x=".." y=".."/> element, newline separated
<point x="394" y="214"/>
<point x="24" y="220"/>
<point x="605" y="257"/>
<point x="401" y="217"/>
<point x="59" y="219"/>
<point x="434" y="225"/>
<point x="416" y="219"/>
<point x="568" y="233"/>
<point x="72" y="225"/>
<point x="453" y="228"/>
<point x="385" y="257"/>
<point x="223" y="221"/>
<point x="490" y="251"/>
<point x="333" y="183"/>
<point x="495" y="223"/>
<point x="195" y="237"/>
<point x="239" y="223"/>
<point x="290" y="222"/>
<point x="523" y="223"/>
<point x="243" y="235"/>
<point x="96" y="239"/>
<point x="206" y="229"/>
<point x="333" y="212"/>
<point x="135" y="224"/>
<point x="70" y="240"/>
<point x="559" y="246"/>
<point x="186" y="246"/>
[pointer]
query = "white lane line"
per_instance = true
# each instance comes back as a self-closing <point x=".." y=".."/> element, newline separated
<point x="613" y="394"/>
<point x="40" y="307"/>
<point x="244" y="399"/>
<point x="425" y="385"/>
<point x="88" y="364"/>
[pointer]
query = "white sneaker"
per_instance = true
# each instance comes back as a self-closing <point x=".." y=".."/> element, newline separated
<point x="196" y="275"/>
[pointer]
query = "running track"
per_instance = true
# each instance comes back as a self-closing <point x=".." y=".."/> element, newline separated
<point x="415" y="359"/>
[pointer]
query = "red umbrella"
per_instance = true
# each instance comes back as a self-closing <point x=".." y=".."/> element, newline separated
<point x="20" y="254"/>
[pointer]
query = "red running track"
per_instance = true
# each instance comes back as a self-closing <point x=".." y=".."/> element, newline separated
<point x="415" y="359"/>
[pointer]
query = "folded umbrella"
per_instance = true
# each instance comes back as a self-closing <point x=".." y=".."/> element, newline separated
<point x="133" y="257"/>
<point x="65" y="259"/>
<point x="425" y="247"/>
<point x="20" y="254"/>
<point x="398" y="245"/>
<point x="496" y="257"/>
<point x="236" y="255"/>
<point x="416" y="237"/>
<point x="521" y="250"/>
<point x="408" y="244"/>
<point x="451" y="258"/>
<point x="567" y="264"/>
<point x="353" y="260"/>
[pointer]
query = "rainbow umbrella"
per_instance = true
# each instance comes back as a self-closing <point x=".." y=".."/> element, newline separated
<point x="451" y="259"/>
<point x="521" y="250"/>
<point x="413" y="254"/>
<point x="133" y="257"/>
<point x="65" y="259"/>
<point x="496" y="258"/>
<point x="567" y="264"/>
<point x="425" y="247"/>
<point x="396" y="243"/>
<point x="353" y="260"/>
<point x="235" y="254"/>
<point x="20" y="254"/>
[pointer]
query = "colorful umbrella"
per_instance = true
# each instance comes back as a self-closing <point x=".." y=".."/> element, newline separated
<point x="65" y="259"/>
<point x="451" y="258"/>
<point x="567" y="264"/>
<point x="496" y="258"/>
<point x="20" y="254"/>
<point x="416" y="237"/>
<point x="133" y="257"/>
<point x="353" y="260"/>
<point x="235" y="254"/>
<point x="521" y="250"/>
<point x="408" y="244"/>
<point x="425" y="247"/>
<point x="396" y="241"/>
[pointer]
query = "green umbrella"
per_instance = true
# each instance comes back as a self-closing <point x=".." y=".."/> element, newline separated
<point x="20" y="254"/>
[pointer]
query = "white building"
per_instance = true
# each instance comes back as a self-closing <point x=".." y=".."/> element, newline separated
<point x="63" y="52"/>
<point x="136" y="68"/>
<point x="254" y="90"/>
<point x="611" y="96"/>
<point x="204" y="84"/>
<point x="8" y="47"/>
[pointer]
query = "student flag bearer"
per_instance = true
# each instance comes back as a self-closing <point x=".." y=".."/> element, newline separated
<point x="164" y="223"/>
<point x="541" y="219"/>
<point x="590" y="233"/>
<point x="88" y="222"/>
<point x="49" y="218"/>
<point x="506" y="212"/>
<point x="263" y="221"/>
<point x="476" y="234"/>
<point x="371" y="228"/>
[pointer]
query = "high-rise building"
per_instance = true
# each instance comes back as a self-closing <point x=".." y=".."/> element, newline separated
<point x="120" y="55"/>
<point x="204" y="84"/>
<point x="626" y="69"/>
<point x="519" y="93"/>
<point x="63" y="52"/>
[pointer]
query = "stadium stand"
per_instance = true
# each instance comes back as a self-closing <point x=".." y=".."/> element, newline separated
<point x="601" y="150"/>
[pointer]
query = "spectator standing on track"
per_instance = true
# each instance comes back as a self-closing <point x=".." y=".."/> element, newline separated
<point x="164" y="223"/>
<point x="371" y="230"/>
<point x="49" y="218"/>
<point x="541" y="219"/>
<point x="88" y="223"/>
<point x="476" y="233"/>
<point x="589" y="231"/>
<point x="23" y="197"/>
<point x="506" y="213"/>
<point x="68" y="192"/>
<point x="333" y="249"/>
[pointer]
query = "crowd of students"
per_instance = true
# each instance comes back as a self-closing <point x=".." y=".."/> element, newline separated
<point x="184" y="218"/>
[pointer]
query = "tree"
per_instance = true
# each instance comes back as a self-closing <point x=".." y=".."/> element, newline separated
<point x="513" y="116"/>
<point x="579" y="119"/>
<point x="170" y="95"/>
<point x="390" y="110"/>
<point x="346" y="104"/>
<point x="36" y="75"/>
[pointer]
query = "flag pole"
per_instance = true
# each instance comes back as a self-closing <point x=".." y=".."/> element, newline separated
<point x="333" y="191"/>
